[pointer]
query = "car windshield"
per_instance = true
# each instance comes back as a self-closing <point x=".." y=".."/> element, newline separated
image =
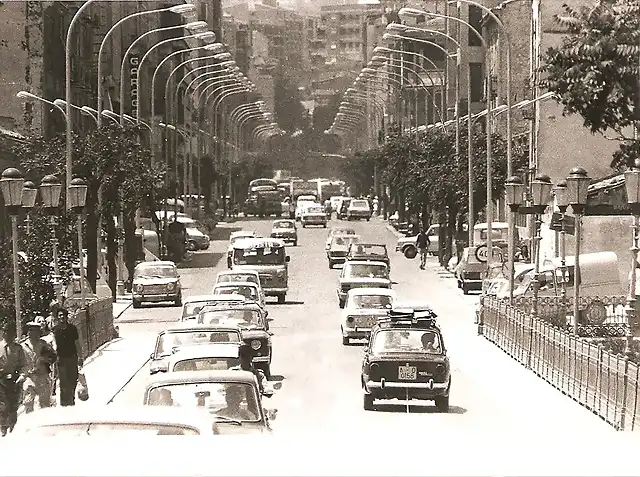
<point x="283" y="225"/>
<point x="206" y="364"/>
<point x="155" y="271"/>
<point x="103" y="429"/>
<point x="259" y="256"/>
<point x="231" y="400"/>
<point x="193" y="308"/>
<point x="360" y="204"/>
<point x="246" y="291"/>
<point x="241" y="318"/>
<point x="171" y="341"/>
<point x="362" y="270"/>
<point x="344" y="240"/>
<point x="238" y="277"/>
<point x="419" y="341"/>
<point x="376" y="302"/>
<point x="378" y="250"/>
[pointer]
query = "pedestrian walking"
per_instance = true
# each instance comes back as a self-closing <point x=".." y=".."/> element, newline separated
<point x="245" y="355"/>
<point x="40" y="357"/>
<point x="13" y="368"/>
<point x="68" y="347"/>
<point x="422" y="244"/>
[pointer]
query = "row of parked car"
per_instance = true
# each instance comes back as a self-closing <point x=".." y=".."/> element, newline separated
<point x="405" y="357"/>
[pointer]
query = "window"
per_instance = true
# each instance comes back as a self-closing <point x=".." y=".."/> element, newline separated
<point x="475" y="20"/>
<point x="477" y="82"/>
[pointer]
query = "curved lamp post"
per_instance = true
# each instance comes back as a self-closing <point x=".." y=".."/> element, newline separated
<point x="77" y="201"/>
<point x="514" y="195"/>
<point x="12" y="182"/>
<point x="29" y="194"/>
<point x="50" y="191"/>
<point x="577" y="188"/>
<point x="541" y="194"/>
<point x="561" y="194"/>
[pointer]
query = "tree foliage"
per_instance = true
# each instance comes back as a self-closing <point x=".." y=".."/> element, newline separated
<point x="594" y="71"/>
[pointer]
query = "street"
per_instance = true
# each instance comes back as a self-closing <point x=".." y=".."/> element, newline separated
<point x="321" y="391"/>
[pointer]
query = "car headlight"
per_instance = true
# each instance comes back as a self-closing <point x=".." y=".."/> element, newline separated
<point x="350" y="319"/>
<point x="171" y="286"/>
<point x="206" y="238"/>
<point x="139" y="288"/>
<point x="256" y="345"/>
<point x="280" y="273"/>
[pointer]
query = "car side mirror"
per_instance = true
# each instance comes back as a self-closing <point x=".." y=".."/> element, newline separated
<point x="271" y="414"/>
<point x="288" y="259"/>
<point x="267" y="393"/>
<point x="270" y="333"/>
<point x="151" y="356"/>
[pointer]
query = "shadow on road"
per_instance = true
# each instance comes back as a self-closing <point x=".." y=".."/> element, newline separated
<point x="417" y="409"/>
<point x="202" y="260"/>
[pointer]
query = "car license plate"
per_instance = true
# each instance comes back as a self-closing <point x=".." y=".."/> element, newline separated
<point x="407" y="373"/>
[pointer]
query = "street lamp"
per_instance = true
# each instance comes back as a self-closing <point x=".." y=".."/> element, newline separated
<point x="577" y="187"/>
<point x="514" y="194"/>
<point x="541" y="193"/>
<point x="77" y="200"/>
<point x="562" y="202"/>
<point x="12" y="183"/>
<point x="632" y="185"/>
<point x="29" y="194"/>
<point x="50" y="191"/>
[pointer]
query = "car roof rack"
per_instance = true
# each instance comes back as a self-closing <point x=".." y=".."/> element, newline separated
<point x="409" y="318"/>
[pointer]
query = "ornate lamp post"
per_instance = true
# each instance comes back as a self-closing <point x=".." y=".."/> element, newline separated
<point x="514" y="193"/>
<point x="561" y="194"/>
<point x="577" y="187"/>
<point x="12" y="183"/>
<point x="541" y="194"/>
<point x="50" y="191"/>
<point x="77" y="200"/>
<point x="632" y="185"/>
<point x="29" y="194"/>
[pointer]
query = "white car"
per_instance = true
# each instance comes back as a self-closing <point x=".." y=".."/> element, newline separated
<point x="191" y="309"/>
<point x="407" y="245"/>
<point x="363" y="308"/>
<point x="249" y="290"/>
<point x="337" y="231"/>
<point x="211" y="357"/>
<point x="234" y="276"/>
<point x="302" y="202"/>
<point x="234" y="237"/>
<point x="358" y="209"/>
<point x="313" y="214"/>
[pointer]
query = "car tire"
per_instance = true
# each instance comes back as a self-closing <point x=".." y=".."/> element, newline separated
<point x="465" y="289"/>
<point x="325" y="226"/>
<point x="442" y="403"/>
<point x="368" y="219"/>
<point x="136" y="304"/>
<point x="345" y="341"/>
<point x="331" y="264"/>
<point x="341" y="303"/>
<point x="410" y="252"/>
<point x="178" y="301"/>
<point x="281" y="298"/>
<point x="367" y="402"/>
<point x="192" y="246"/>
<point x="295" y="243"/>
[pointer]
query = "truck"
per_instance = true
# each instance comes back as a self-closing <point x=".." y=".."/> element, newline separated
<point x="264" y="198"/>
<point x="301" y="187"/>
<point x="328" y="189"/>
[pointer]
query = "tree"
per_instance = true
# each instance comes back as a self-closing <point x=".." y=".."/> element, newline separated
<point x="594" y="71"/>
<point x="289" y="112"/>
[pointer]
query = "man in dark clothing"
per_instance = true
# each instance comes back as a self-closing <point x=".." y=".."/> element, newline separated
<point x="13" y="369"/>
<point x="68" y="348"/>
<point x="422" y="244"/>
<point x="246" y="364"/>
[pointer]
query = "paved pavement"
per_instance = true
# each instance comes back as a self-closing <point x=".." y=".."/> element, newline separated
<point x="320" y="377"/>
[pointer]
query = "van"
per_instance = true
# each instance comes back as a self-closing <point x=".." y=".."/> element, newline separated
<point x="268" y="257"/>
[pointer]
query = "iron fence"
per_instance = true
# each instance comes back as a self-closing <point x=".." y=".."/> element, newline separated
<point x="599" y="380"/>
<point x="95" y="325"/>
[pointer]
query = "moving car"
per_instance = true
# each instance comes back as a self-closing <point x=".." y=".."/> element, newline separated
<point x="115" y="422"/>
<point x="196" y="240"/>
<point x="285" y="230"/>
<point x="251" y="291"/>
<point x="232" y="397"/>
<point x="231" y="276"/>
<point x="358" y="209"/>
<point x="213" y="357"/>
<point x="234" y="237"/>
<point x="338" y="248"/>
<point x="171" y="340"/>
<point x="191" y="309"/>
<point x="253" y="324"/>
<point x="341" y="211"/>
<point x="268" y="257"/>
<point x="155" y="282"/>
<point x="470" y="272"/>
<point x="363" y="308"/>
<point x="338" y="231"/>
<point x="369" y="252"/>
<point x="406" y="359"/>
<point x="313" y="214"/>
<point x="301" y="203"/>
<point x="407" y="245"/>
<point x="357" y="274"/>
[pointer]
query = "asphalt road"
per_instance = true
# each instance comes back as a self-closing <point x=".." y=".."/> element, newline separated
<point x="320" y="377"/>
